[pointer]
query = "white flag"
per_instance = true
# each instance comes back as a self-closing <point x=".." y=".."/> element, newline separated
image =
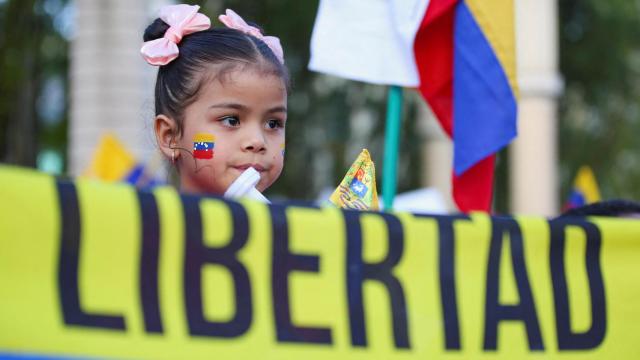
<point x="368" y="40"/>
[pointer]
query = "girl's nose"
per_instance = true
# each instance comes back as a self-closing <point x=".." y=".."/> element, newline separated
<point x="254" y="141"/>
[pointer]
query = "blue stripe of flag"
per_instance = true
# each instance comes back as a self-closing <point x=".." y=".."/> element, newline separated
<point x="484" y="110"/>
<point x="203" y="146"/>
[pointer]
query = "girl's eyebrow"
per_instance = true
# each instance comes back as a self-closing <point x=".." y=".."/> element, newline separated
<point x="228" y="106"/>
<point x="277" y="109"/>
<point x="237" y="106"/>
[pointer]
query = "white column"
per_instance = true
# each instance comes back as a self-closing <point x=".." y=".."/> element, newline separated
<point x="111" y="86"/>
<point x="533" y="155"/>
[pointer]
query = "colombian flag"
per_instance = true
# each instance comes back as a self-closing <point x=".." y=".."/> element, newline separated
<point x="460" y="54"/>
<point x="585" y="189"/>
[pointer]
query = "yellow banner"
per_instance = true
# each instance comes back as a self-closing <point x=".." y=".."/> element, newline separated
<point x="95" y="270"/>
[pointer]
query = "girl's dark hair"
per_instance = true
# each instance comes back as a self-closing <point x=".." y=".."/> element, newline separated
<point x="179" y="82"/>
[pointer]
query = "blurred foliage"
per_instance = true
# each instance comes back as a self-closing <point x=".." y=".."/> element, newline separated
<point x="599" y="112"/>
<point x="32" y="52"/>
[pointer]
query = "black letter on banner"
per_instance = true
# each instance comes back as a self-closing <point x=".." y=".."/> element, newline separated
<point x="568" y="340"/>
<point x="495" y="312"/>
<point x="358" y="271"/>
<point x="68" y="266"/>
<point x="197" y="254"/>
<point x="150" y="254"/>
<point x="446" y="266"/>
<point x="285" y="262"/>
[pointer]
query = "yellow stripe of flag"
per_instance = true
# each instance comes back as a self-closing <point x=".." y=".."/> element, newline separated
<point x="202" y="137"/>
<point x="496" y="18"/>
<point x="585" y="182"/>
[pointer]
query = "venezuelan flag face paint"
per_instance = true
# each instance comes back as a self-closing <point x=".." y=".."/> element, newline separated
<point x="203" y="146"/>
<point x="282" y="149"/>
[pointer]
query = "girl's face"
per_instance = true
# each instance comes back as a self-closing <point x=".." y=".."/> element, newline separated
<point x="246" y="115"/>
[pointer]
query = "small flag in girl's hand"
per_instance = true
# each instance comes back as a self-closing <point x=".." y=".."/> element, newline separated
<point x="358" y="188"/>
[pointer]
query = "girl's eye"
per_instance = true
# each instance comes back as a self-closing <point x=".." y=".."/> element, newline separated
<point x="274" y="124"/>
<point x="230" y="121"/>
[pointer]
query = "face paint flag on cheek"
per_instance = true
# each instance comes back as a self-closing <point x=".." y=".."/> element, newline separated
<point x="203" y="146"/>
<point x="282" y="149"/>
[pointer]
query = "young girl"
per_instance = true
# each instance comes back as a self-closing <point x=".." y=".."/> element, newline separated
<point x="220" y="98"/>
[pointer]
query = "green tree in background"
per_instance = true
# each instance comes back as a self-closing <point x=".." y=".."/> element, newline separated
<point x="32" y="53"/>
<point x="600" y="110"/>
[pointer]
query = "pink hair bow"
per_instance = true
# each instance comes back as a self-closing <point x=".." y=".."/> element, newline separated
<point x="232" y="20"/>
<point x="182" y="20"/>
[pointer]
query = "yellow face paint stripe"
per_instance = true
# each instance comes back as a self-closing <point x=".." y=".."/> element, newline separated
<point x="203" y="137"/>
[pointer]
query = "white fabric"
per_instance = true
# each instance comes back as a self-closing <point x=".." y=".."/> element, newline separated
<point x="368" y="40"/>
<point x="421" y="201"/>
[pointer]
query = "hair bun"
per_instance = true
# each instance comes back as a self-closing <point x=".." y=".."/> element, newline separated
<point x="156" y="30"/>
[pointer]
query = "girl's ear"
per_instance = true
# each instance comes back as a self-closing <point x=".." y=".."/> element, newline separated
<point x="166" y="130"/>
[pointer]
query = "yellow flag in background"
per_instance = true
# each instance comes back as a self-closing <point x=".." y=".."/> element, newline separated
<point x="111" y="161"/>
<point x="358" y="188"/>
<point x="585" y="189"/>
<point x="586" y="184"/>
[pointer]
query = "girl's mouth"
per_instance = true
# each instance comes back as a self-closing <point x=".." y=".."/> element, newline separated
<point x="257" y="167"/>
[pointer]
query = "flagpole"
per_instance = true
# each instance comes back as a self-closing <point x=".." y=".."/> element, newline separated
<point x="391" y="141"/>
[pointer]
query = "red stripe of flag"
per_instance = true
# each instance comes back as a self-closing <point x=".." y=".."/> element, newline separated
<point x="433" y="48"/>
